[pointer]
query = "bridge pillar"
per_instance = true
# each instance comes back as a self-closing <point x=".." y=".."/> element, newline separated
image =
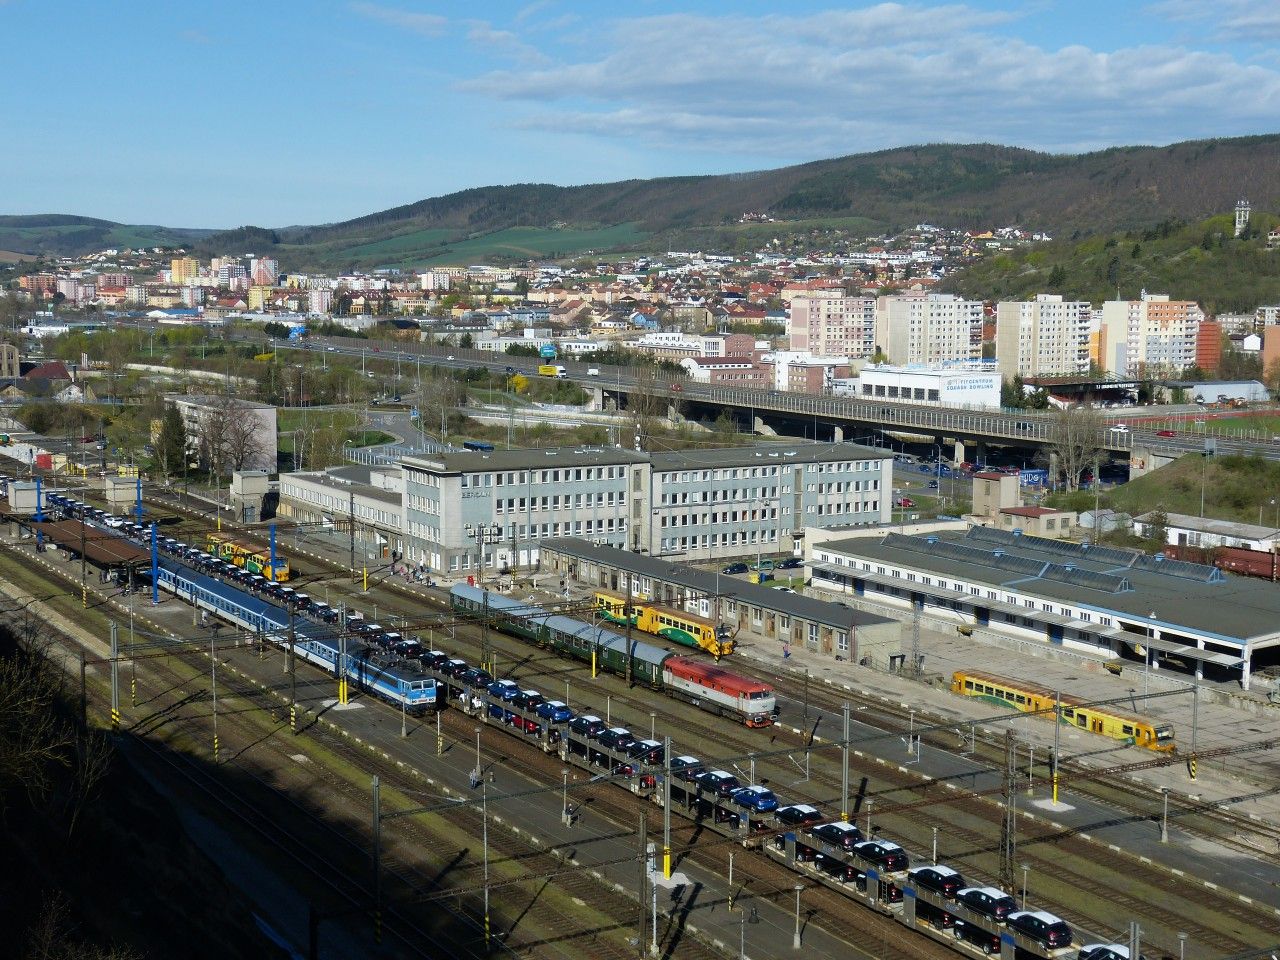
<point x="837" y="433"/>
<point x="1142" y="461"/>
<point x="673" y="413"/>
<point x="958" y="453"/>
<point x="760" y="427"/>
<point x="980" y="455"/>
<point x="595" y="398"/>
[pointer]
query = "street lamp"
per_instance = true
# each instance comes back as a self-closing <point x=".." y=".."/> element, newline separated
<point x="1164" y="817"/>
<point x="475" y="777"/>
<point x="1026" y="868"/>
<point x="1182" y="946"/>
<point x="564" y="801"/>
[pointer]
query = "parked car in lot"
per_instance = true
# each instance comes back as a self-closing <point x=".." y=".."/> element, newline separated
<point x="988" y="901"/>
<point x="735" y="568"/>
<point x="904" y="502"/>
<point x="938" y="878"/>
<point x="720" y="782"/>
<point x="1041" y="926"/>
<point x="790" y="563"/>
<point x="841" y="834"/>
<point x="797" y="815"/>
<point x="760" y="799"/>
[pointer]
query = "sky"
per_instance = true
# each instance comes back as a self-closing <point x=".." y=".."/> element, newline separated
<point x="281" y="112"/>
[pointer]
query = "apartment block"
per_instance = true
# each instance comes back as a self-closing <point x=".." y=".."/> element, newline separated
<point x="1047" y="336"/>
<point x="1151" y="336"/>
<point x="183" y="270"/>
<point x="830" y="323"/>
<point x="929" y="329"/>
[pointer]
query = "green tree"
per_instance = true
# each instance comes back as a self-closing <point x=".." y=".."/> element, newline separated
<point x="171" y="445"/>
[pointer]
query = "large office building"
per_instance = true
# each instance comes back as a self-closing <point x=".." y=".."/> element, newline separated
<point x="364" y="504"/>
<point x="491" y="510"/>
<point x="830" y="323"/>
<point x="1044" y="337"/>
<point x="1099" y="599"/>
<point x="928" y="329"/>
<point x="1151" y="336"/>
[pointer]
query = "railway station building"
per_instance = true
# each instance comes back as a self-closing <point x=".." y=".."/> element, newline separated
<point x="486" y="512"/>
<point x="1111" y="602"/>
<point x="754" y="614"/>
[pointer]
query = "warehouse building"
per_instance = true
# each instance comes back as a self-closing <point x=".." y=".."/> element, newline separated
<point x="1102" y="600"/>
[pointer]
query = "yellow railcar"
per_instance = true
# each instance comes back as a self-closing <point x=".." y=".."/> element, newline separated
<point x="1034" y="698"/>
<point x="674" y="625"/>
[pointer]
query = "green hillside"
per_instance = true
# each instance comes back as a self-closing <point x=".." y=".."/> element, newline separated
<point x="58" y="235"/>
<point x="954" y="185"/>
<point x="1200" y="261"/>
<point x="1235" y="488"/>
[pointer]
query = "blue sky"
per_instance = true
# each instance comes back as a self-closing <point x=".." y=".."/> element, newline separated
<point x="279" y="112"/>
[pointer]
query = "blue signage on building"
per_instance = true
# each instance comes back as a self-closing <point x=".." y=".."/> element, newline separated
<point x="548" y="351"/>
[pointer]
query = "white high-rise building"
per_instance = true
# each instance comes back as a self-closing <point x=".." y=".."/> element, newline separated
<point x="1047" y="336"/>
<point x="929" y="329"/>
<point x="829" y="323"/>
<point x="1153" y="336"/>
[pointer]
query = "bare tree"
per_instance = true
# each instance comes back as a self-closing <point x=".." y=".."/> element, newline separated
<point x="230" y="435"/>
<point x="1075" y="442"/>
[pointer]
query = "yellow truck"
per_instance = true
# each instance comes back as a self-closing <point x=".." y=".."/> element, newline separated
<point x="552" y="370"/>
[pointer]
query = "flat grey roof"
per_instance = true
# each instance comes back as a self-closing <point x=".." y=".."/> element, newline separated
<point x="477" y="461"/>
<point x="360" y="489"/>
<point x="764" y="455"/>
<point x="1183" y="597"/>
<point x="205" y="399"/>
<point x="788" y="604"/>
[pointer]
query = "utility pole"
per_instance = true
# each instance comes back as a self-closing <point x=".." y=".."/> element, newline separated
<point x="644" y="853"/>
<point x="844" y="770"/>
<point x="666" y="808"/>
<point x="293" y="678"/>
<point x="115" y="680"/>
<point x="1009" y="825"/>
<point x="377" y="861"/>
<point x="916" y="604"/>
<point x="351" y="516"/>
<point x="629" y="618"/>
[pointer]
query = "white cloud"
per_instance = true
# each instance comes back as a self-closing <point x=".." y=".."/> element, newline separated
<point x="1255" y="21"/>
<point x="847" y="81"/>
<point x="505" y="42"/>
<point x="427" y="24"/>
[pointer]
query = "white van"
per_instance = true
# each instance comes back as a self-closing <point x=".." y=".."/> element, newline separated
<point x="593" y="371"/>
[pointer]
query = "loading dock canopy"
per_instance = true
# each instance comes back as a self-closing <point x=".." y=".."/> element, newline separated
<point x="104" y="549"/>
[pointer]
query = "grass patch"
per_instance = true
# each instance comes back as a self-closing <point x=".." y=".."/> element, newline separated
<point x="1235" y="488"/>
<point x="520" y="243"/>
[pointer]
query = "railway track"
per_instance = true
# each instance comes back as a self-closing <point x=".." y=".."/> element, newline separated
<point x="542" y="669"/>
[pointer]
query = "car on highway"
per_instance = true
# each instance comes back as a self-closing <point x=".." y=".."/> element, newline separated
<point x="760" y="799"/>
<point x="1166" y="433"/>
<point x="988" y="901"/>
<point x="933" y="484"/>
<point x="686" y="768"/>
<point x="449" y="357"/>
<point x="554" y="711"/>
<point x="1041" y="926"/>
<point x="938" y="878"/>
<point x="1119" y="428"/>
<point x="720" y="782"/>
<point x="676" y="388"/>
<point x="735" y="568"/>
<point x="883" y="853"/>
<point x="797" y="815"/>
<point x="841" y="834"/>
